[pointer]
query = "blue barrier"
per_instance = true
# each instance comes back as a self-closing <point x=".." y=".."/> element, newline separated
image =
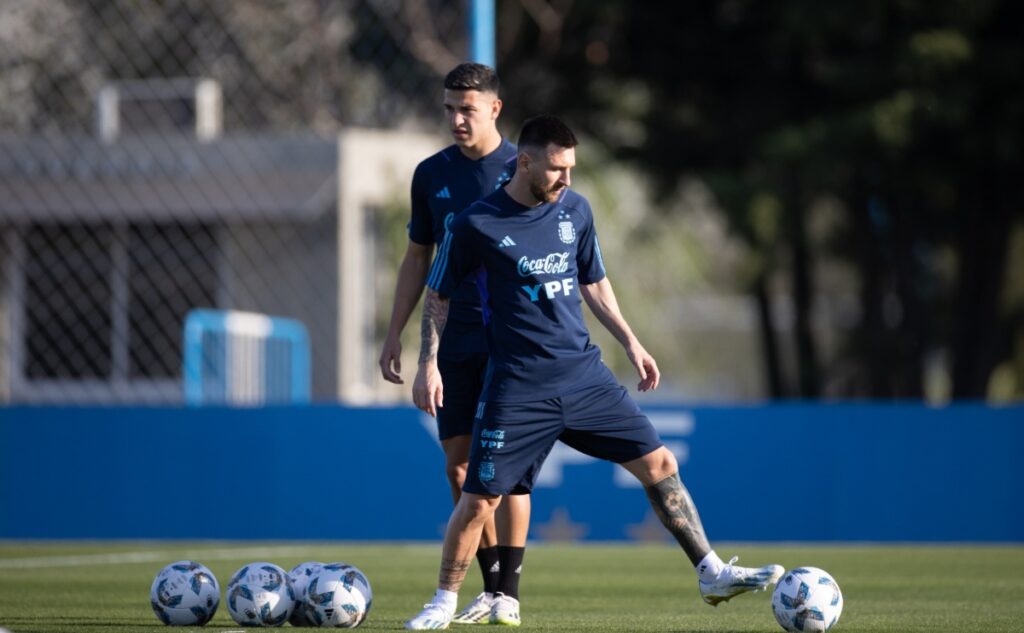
<point x="232" y="357"/>
<point x="790" y="473"/>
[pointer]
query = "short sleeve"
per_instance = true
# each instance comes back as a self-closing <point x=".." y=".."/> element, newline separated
<point x="421" y="222"/>
<point x="456" y="258"/>
<point x="589" y="262"/>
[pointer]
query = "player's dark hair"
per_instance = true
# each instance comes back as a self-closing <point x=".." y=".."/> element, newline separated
<point x="472" y="76"/>
<point x="545" y="129"/>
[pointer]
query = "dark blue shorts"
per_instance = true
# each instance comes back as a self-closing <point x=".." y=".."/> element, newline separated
<point x="463" y="380"/>
<point x="512" y="439"/>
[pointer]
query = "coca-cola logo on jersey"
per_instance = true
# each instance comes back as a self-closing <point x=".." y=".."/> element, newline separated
<point x="553" y="264"/>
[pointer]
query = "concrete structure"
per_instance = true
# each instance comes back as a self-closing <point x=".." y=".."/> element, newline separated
<point x="170" y="221"/>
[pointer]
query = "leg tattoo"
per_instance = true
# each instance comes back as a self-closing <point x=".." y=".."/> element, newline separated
<point x="453" y="573"/>
<point x="675" y="509"/>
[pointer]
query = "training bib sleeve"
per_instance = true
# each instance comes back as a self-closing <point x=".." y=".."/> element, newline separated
<point x="588" y="255"/>
<point x="421" y="228"/>
<point x="456" y="258"/>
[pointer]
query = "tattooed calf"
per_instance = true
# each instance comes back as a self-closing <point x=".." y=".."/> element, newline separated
<point x="675" y="509"/>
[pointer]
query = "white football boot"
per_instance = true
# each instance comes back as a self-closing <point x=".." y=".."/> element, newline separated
<point x="505" y="610"/>
<point x="433" y="616"/>
<point x="476" y="612"/>
<point x="734" y="580"/>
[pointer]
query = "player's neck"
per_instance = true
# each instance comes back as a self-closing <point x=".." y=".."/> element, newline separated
<point x="487" y="145"/>
<point x="519" y="190"/>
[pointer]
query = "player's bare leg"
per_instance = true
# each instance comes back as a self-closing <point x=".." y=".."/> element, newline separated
<point x="513" y="523"/>
<point x="462" y="537"/>
<point x="658" y="471"/>
<point x="460" y="543"/>
<point x="456" y="452"/>
<point x="719" y="581"/>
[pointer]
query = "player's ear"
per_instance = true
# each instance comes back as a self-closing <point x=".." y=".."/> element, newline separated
<point x="523" y="161"/>
<point x="495" y="108"/>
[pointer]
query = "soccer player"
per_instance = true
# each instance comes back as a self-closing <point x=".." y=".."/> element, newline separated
<point x="478" y="162"/>
<point x="536" y="244"/>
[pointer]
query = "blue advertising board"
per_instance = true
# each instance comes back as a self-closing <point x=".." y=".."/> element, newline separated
<point x="774" y="473"/>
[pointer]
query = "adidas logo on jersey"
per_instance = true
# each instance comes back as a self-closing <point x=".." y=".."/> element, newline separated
<point x="505" y="242"/>
<point x="444" y="193"/>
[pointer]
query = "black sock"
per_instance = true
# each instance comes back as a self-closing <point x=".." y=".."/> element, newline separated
<point x="487" y="557"/>
<point x="511" y="559"/>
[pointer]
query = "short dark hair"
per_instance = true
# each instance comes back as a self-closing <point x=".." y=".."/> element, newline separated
<point x="472" y="76"/>
<point x="545" y="129"/>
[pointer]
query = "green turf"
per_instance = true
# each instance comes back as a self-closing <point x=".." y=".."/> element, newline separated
<point x="564" y="588"/>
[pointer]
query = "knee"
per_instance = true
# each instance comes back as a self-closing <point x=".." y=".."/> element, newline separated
<point x="456" y="472"/>
<point x="658" y="465"/>
<point x="476" y="507"/>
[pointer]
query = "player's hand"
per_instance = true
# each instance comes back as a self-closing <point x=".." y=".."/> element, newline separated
<point x="391" y="356"/>
<point x="646" y="367"/>
<point x="427" y="389"/>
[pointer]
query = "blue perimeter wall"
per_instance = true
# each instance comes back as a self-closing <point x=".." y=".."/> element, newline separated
<point x="773" y="473"/>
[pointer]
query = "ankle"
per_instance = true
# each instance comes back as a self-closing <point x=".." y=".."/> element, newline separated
<point x="487" y="558"/>
<point x="445" y="599"/>
<point x="710" y="567"/>
<point x="511" y="562"/>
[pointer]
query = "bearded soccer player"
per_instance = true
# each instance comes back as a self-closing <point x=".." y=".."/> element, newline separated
<point x="536" y="243"/>
<point x="478" y="162"/>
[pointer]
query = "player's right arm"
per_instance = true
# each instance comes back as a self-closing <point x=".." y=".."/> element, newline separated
<point x="455" y="260"/>
<point x="411" y="275"/>
<point x="427" y="389"/>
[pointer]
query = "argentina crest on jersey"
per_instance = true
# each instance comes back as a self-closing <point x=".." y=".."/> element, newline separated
<point x="566" y="231"/>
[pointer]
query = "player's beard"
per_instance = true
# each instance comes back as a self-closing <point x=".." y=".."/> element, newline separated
<point x="542" y="195"/>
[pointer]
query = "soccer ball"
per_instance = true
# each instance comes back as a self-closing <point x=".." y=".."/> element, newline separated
<point x="260" y="594"/>
<point x="185" y="593"/>
<point x="339" y="595"/>
<point x="807" y="599"/>
<point x="300" y="575"/>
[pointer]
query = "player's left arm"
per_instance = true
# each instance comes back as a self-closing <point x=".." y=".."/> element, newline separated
<point x="601" y="299"/>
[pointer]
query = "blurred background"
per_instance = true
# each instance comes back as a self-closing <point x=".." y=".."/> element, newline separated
<point x="812" y="214"/>
<point x="798" y="200"/>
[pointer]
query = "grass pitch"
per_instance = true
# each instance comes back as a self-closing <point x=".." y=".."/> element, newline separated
<point x="87" y="587"/>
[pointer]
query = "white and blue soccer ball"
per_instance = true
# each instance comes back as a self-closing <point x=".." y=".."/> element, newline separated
<point x="185" y="593"/>
<point x="339" y="595"/>
<point x="300" y="575"/>
<point x="807" y="599"/>
<point x="260" y="594"/>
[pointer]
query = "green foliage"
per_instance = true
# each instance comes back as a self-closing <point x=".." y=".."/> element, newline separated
<point x="941" y="49"/>
<point x="908" y="115"/>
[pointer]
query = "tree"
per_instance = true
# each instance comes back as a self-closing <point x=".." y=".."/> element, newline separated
<point x="908" y="114"/>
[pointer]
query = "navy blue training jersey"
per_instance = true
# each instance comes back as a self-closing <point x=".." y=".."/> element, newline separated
<point x="533" y="260"/>
<point x="442" y="186"/>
